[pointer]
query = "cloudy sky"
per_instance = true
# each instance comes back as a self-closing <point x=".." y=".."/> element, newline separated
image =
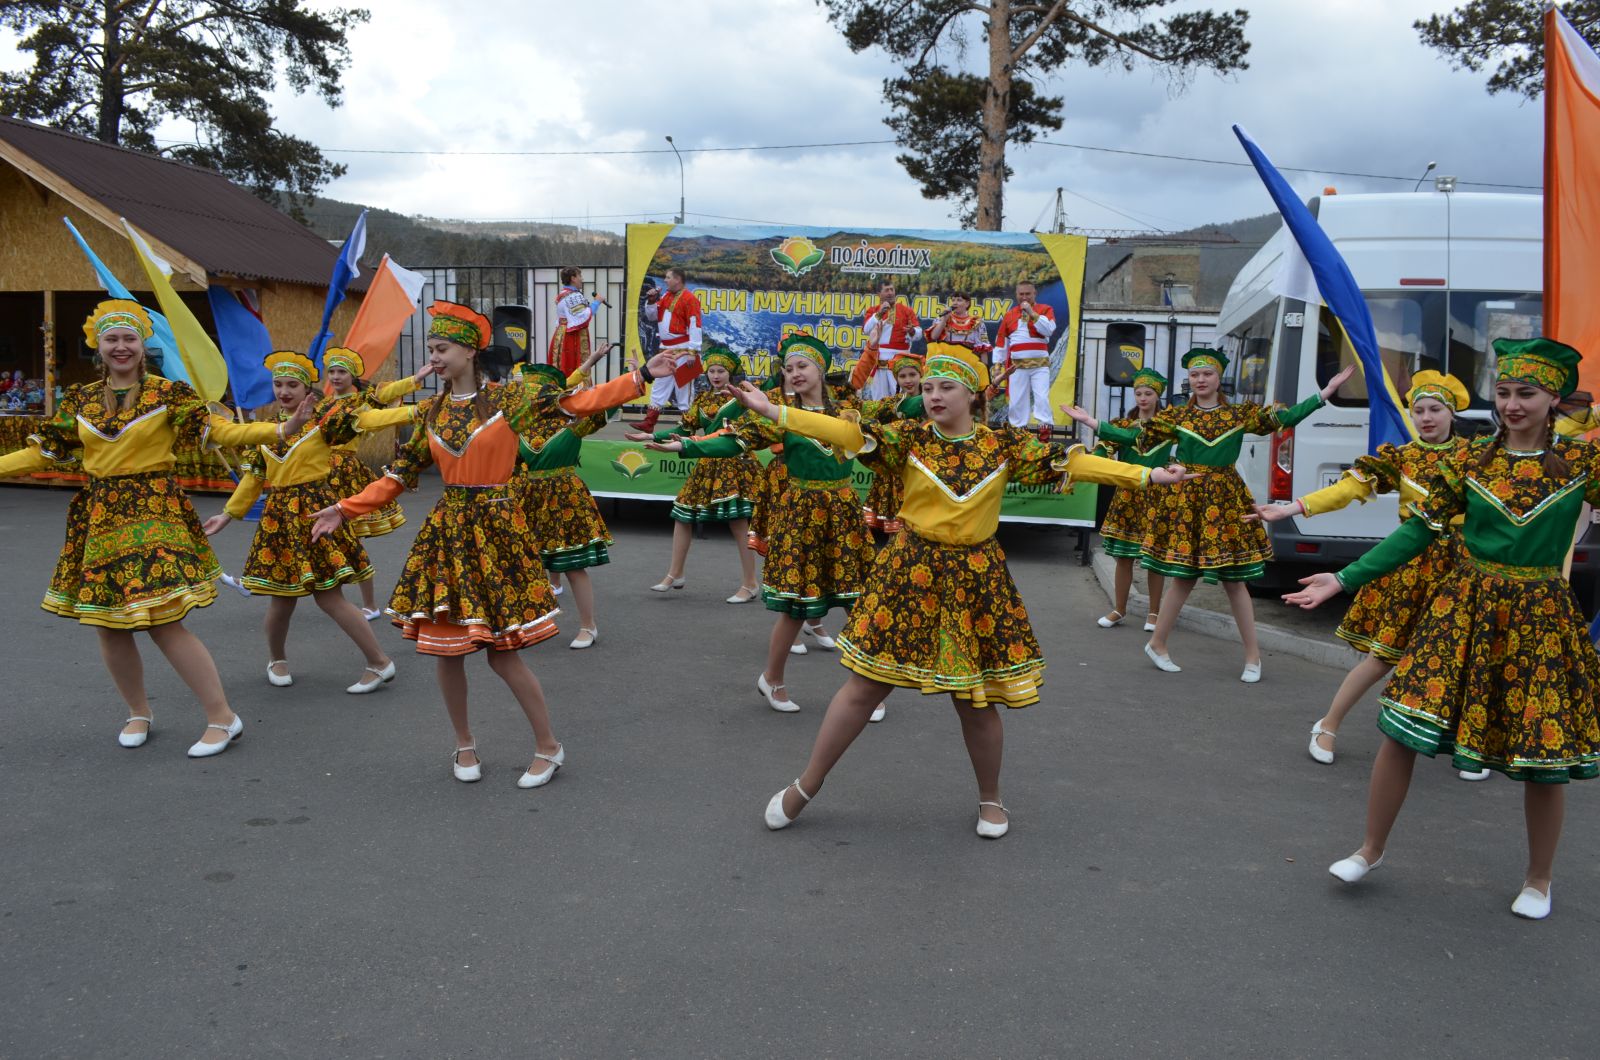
<point x="1332" y="85"/>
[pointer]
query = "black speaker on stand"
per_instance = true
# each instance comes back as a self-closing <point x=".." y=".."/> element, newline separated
<point x="511" y="341"/>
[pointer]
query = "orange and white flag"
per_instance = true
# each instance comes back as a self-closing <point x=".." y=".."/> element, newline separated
<point x="390" y="301"/>
<point x="1572" y="194"/>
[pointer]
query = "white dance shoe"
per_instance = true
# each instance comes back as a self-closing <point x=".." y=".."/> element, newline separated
<point x="372" y="614"/>
<point x="136" y="739"/>
<point x="785" y="706"/>
<point x="1317" y="752"/>
<point x="879" y="712"/>
<point x="378" y="679"/>
<point x="585" y="638"/>
<point x="775" y="816"/>
<point x="1150" y="622"/>
<point x="1353" y="868"/>
<point x="989" y="829"/>
<point x="1109" y="619"/>
<point x="667" y="585"/>
<point x="1163" y="662"/>
<point x="744" y="595"/>
<point x="233" y="583"/>
<point x="818" y="634"/>
<point x="1531" y="905"/>
<point x="466" y="774"/>
<point x="797" y="649"/>
<point x="1252" y="673"/>
<point x="1469" y="774"/>
<point x="234" y="729"/>
<point x="530" y="779"/>
<point x="280" y="680"/>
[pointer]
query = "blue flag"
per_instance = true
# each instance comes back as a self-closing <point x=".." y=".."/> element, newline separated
<point x="171" y="363"/>
<point x="1343" y="298"/>
<point x="245" y="345"/>
<point x="347" y="268"/>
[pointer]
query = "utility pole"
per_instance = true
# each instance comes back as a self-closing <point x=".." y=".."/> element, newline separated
<point x="680" y="178"/>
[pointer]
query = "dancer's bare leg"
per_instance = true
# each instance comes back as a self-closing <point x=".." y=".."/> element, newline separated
<point x="356" y="627"/>
<point x="193" y="663"/>
<point x="846" y="717"/>
<point x="1244" y="616"/>
<point x="1171" y="605"/>
<point x="740" y="529"/>
<point x="451" y="671"/>
<point x="280" y="610"/>
<point x="784" y="631"/>
<point x="582" y="595"/>
<point x="682" y="538"/>
<point x="984" y="734"/>
<point x="1544" y="806"/>
<point x="120" y="652"/>
<point x="510" y="668"/>
<point x="1156" y="583"/>
<point x="1391" y="779"/>
<point x="1356" y="684"/>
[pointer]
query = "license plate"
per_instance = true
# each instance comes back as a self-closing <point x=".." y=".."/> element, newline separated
<point x="1331" y="478"/>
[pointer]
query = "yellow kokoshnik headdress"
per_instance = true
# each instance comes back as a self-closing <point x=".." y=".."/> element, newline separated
<point x="1446" y="389"/>
<point x="721" y="356"/>
<point x="946" y="360"/>
<point x="287" y="364"/>
<point x="1201" y="357"/>
<point x="1151" y="378"/>
<point x="346" y="358"/>
<point x="459" y="324"/>
<point x="1541" y="362"/>
<point x="809" y="347"/>
<point x="117" y="313"/>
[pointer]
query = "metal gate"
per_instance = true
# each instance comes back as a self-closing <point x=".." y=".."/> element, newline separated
<point x="485" y="286"/>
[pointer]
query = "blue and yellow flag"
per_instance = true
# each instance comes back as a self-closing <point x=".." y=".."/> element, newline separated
<point x="1339" y="292"/>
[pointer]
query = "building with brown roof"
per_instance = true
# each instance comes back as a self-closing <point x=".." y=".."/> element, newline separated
<point x="209" y="228"/>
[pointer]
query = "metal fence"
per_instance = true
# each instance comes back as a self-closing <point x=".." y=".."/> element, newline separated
<point x="483" y="287"/>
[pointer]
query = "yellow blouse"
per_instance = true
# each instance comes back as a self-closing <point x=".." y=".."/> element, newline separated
<point x="378" y="396"/>
<point x="133" y="441"/>
<point x="954" y="486"/>
<point x="307" y="457"/>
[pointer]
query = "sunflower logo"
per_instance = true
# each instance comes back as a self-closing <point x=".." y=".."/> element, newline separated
<point x="797" y="255"/>
<point x="632" y="464"/>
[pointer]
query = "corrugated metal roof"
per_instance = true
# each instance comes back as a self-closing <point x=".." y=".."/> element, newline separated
<point x="220" y="225"/>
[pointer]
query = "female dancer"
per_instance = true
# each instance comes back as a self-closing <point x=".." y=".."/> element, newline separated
<point x="1500" y="672"/>
<point x="473" y="580"/>
<point x="135" y="557"/>
<point x="1196" y="531"/>
<point x="940" y="612"/>
<point x="284" y="563"/>
<point x="883" y="496"/>
<point x="719" y="489"/>
<point x="565" y="520"/>
<point x="343" y="369"/>
<point x="819" y="546"/>
<point x="1128" y="517"/>
<point x="1384" y="613"/>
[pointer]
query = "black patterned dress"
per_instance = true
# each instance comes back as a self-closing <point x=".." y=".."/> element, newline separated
<point x="1127" y="518"/>
<point x="566" y="521"/>
<point x="1499" y="672"/>
<point x="718" y="489"/>
<point x="135" y="556"/>
<point x="939" y="611"/>
<point x="882" y="506"/>
<point x="348" y="473"/>
<point x="1385" y="611"/>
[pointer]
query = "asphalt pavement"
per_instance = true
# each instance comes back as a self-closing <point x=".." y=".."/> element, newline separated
<point x="325" y="889"/>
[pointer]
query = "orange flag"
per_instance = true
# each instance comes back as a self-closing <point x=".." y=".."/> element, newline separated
<point x="390" y="301"/>
<point x="1572" y="194"/>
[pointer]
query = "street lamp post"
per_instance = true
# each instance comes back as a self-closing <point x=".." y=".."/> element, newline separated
<point x="680" y="178"/>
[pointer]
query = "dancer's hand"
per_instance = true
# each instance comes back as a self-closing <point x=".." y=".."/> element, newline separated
<point x="1338" y="381"/>
<point x="1080" y="415"/>
<point x="638" y="436"/>
<point x="1173" y="474"/>
<point x="422" y="373"/>
<point x="301" y="417"/>
<point x="216" y="523"/>
<point x="326" y="522"/>
<point x="754" y="399"/>
<point x="1319" y="589"/>
<point x="664" y="447"/>
<point x="661" y="366"/>
<point x="1273" y="513"/>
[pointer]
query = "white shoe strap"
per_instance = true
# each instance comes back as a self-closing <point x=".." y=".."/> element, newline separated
<point x="802" y="791"/>
<point x="997" y="806"/>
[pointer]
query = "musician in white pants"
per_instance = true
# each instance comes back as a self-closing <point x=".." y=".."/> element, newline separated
<point x="1023" y="345"/>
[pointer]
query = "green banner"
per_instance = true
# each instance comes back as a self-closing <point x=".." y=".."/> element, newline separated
<point x="628" y="470"/>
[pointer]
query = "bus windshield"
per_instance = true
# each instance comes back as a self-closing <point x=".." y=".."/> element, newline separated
<point x="1447" y="331"/>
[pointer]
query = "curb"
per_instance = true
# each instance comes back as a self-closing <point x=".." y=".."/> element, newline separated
<point x="1335" y="654"/>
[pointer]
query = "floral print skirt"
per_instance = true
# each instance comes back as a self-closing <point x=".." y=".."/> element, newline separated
<point x="768" y="488"/>
<point x="1500" y="675"/>
<point x="565" y="519"/>
<point x="718" y="490"/>
<point x="135" y="556"/>
<point x="348" y="476"/>
<point x="1127" y="520"/>
<point x="1196" y="529"/>
<point x="473" y="578"/>
<point x="882" y="506"/>
<point x="818" y="550"/>
<point x="283" y="559"/>
<point x="1385" y="611"/>
<point x="945" y="618"/>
